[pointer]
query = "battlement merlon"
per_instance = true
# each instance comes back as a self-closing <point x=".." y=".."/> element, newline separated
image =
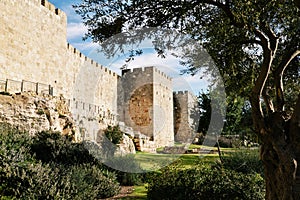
<point x="150" y="69"/>
<point x="185" y="92"/>
<point x="53" y="9"/>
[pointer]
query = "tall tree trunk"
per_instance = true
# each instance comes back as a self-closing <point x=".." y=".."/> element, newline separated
<point x="294" y="128"/>
<point x="280" y="154"/>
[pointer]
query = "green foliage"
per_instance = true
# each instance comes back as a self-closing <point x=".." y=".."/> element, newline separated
<point x="53" y="147"/>
<point x="90" y="182"/>
<point x="114" y="134"/>
<point x="205" y="112"/>
<point x="244" y="161"/>
<point x="40" y="111"/>
<point x="26" y="174"/>
<point x="203" y="182"/>
<point x="229" y="142"/>
<point x="121" y="165"/>
<point x="237" y="35"/>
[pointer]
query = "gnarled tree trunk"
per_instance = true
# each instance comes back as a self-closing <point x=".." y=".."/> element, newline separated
<point x="280" y="154"/>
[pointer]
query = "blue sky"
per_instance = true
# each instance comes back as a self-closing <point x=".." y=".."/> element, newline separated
<point x="76" y="30"/>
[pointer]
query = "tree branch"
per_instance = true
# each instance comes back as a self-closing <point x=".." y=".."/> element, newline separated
<point x="278" y="76"/>
<point x="226" y="8"/>
<point x="268" y="101"/>
<point x="257" y="113"/>
<point x="273" y="39"/>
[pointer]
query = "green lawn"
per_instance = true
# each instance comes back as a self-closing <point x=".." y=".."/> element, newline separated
<point x="150" y="161"/>
<point x="153" y="162"/>
<point x="139" y="192"/>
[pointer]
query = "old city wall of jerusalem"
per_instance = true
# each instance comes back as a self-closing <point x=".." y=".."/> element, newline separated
<point x="35" y="56"/>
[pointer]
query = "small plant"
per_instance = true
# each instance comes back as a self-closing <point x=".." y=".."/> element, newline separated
<point x="121" y="165"/>
<point x="114" y="134"/>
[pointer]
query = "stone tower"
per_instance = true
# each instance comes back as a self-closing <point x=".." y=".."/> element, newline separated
<point x="186" y="116"/>
<point x="145" y="101"/>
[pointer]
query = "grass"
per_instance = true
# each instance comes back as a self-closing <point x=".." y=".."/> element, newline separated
<point x="150" y="161"/>
<point x="190" y="160"/>
<point x="196" y="146"/>
<point x="139" y="192"/>
<point x="153" y="162"/>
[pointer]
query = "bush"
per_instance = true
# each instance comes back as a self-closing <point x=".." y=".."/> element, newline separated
<point x="244" y="161"/>
<point x="114" y="134"/>
<point x="90" y="182"/>
<point x="66" y="172"/>
<point x="122" y="165"/>
<point x="54" y="147"/>
<point x="204" y="183"/>
<point x="229" y="142"/>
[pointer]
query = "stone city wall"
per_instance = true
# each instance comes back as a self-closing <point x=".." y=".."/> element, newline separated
<point x="34" y="51"/>
<point x="35" y="56"/>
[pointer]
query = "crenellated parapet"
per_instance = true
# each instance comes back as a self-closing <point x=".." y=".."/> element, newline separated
<point x="181" y="92"/>
<point x="52" y="8"/>
<point x="146" y="71"/>
<point x="89" y="61"/>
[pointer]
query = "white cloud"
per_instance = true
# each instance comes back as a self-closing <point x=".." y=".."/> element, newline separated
<point x="75" y="31"/>
<point x="170" y="66"/>
<point x="85" y="46"/>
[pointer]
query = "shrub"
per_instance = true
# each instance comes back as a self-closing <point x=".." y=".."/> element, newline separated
<point x="54" y="147"/>
<point x="128" y="171"/>
<point x="114" y="134"/>
<point x="22" y="176"/>
<point x="229" y="142"/>
<point x="244" y="161"/>
<point x="204" y="183"/>
<point x="90" y="182"/>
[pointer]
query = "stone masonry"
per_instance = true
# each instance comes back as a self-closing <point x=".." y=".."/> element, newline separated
<point x="34" y="56"/>
<point x="146" y="103"/>
<point x="186" y="116"/>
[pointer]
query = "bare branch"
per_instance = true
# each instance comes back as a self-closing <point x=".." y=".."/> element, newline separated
<point x="267" y="100"/>
<point x="273" y="39"/>
<point x="260" y="83"/>
<point x="278" y="77"/>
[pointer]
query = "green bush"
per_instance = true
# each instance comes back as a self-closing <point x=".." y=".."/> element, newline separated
<point x="90" y="182"/>
<point x="244" y="161"/>
<point x="114" y="134"/>
<point x="23" y="176"/>
<point x="204" y="183"/>
<point x="122" y="165"/>
<point x="54" y="147"/>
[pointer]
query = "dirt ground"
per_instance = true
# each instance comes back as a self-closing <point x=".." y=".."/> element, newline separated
<point x="125" y="191"/>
